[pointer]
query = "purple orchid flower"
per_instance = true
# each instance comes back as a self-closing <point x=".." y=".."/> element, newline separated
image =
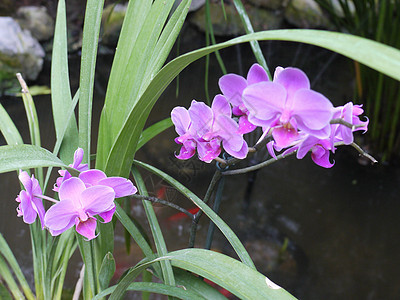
<point x="206" y="128"/>
<point x="349" y="113"/>
<point x="30" y="206"/>
<point x="288" y="105"/>
<point x="77" y="206"/>
<point x="232" y="87"/>
<point x="77" y="165"/>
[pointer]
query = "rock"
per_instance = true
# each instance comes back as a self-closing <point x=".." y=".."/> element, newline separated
<point x="19" y="52"/>
<point x="270" y="4"/>
<point x="261" y="19"/>
<point x="37" y="21"/>
<point x="305" y="14"/>
<point x="112" y="24"/>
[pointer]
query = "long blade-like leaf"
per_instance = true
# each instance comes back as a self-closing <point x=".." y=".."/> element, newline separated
<point x="60" y="90"/>
<point x="153" y="131"/>
<point x="8" y="129"/>
<point x="90" y="39"/>
<point x="25" y="157"/>
<point x="225" y="229"/>
<point x="229" y="273"/>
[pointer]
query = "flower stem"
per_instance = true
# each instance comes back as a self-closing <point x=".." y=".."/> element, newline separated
<point x="46" y="198"/>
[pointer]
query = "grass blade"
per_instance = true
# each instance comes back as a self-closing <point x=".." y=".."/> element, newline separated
<point x="60" y="90"/>
<point x="91" y="29"/>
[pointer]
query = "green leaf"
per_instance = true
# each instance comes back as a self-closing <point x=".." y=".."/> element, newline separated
<point x="166" y="269"/>
<point x="229" y="273"/>
<point x="7" y="277"/>
<point x="4" y="293"/>
<point x="196" y="284"/>
<point x="225" y="229"/>
<point x="8" y="129"/>
<point x="255" y="46"/>
<point x="107" y="270"/>
<point x="133" y="231"/>
<point x="91" y="29"/>
<point x="136" y="68"/>
<point x="10" y="258"/>
<point x="153" y="131"/>
<point x="157" y="288"/>
<point x="25" y="157"/>
<point x="60" y="89"/>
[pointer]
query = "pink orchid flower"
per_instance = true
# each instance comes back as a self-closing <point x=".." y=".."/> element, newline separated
<point x="288" y="105"/>
<point x="121" y="186"/>
<point x="30" y="206"/>
<point x="77" y="206"/>
<point x="232" y="87"/>
<point x="206" y="128"/>
<point x="77" y="165"/>
<point x="349" y="113"/>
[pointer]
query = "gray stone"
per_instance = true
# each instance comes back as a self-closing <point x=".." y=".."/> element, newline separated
<point x="112" y="19"/>
<point x="305" y="14"/>
<point x="37" y="21"/>
<point x="261" y="19"/>
<point x="19" y="52"/>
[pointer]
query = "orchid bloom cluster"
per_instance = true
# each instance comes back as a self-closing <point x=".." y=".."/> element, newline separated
<point x="297" y="118"/>
<point x="80" y="199"/>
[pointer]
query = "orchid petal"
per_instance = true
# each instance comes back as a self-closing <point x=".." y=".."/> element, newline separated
<point x="108" y="215"/>
<point x="92" y="177"/>
<point x="61" y="216"/>
<point x="78" y="156"/>
<point x="264" y="101"/>
<point x="39" y="208"/>
<point x="186" y="152"/>
<point x="228" y="131"/>
<point x="202" y="118"/>
<point x="283" y="136"/>
<point x="26" y="208"/>
<point x="121" y="186"/>
<point x="71" y="189"/>
<point x="220" y="106"/>
<point x="256" y="74"/>
<point x="181" y="119"/>
<point x="292" y="79"/>
<point x="321" y="157"/>
<point x="87" y="228"/>
<point x="312" y="109"/>
<point x="232" y="87"/>
<point x="245" y="126"/>
<point x="26" y="180"/>
<point x="97" y="199"/>
<point x="241" y="153"/>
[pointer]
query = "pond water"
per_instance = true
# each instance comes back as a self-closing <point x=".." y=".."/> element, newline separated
<point x="341" y="224"/>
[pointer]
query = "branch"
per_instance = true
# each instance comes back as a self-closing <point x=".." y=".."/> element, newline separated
<point x="281" y="156"/>
<point x="163" y="202"/>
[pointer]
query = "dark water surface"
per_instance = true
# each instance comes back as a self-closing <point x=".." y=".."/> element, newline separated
<point x="341" y="224"/>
